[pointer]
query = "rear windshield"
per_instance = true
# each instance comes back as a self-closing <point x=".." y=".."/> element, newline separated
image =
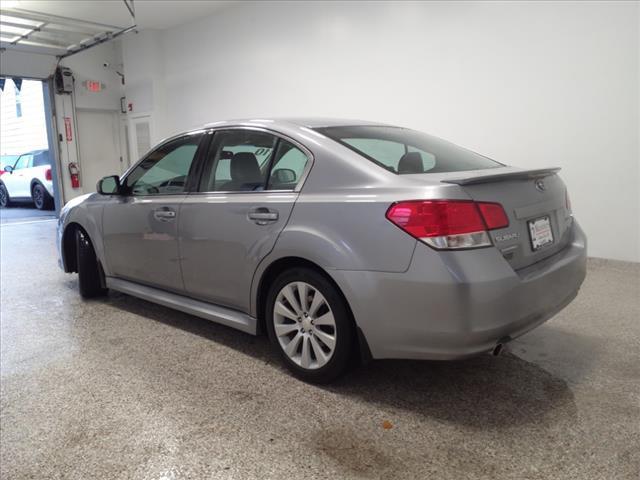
<point x="404" y="151"/>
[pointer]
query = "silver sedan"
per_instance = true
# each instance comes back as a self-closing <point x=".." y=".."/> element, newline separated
<point x="336" y="238"/>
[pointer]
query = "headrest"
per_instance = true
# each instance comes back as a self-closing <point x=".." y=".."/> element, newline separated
<point x="411" y="162"/>
<point x="244" y="167"/>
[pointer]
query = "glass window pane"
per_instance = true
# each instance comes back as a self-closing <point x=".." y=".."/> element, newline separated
<point x="23" y="162"/>
<point x="288" y="167"/>
<point x="405" y="151"/>
<point x="238" y="161"/>
<point x="165" y="170"/>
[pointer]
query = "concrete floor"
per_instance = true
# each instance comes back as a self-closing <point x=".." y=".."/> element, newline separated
<point x="122" y="389"/>
<point x="24" y="212"/>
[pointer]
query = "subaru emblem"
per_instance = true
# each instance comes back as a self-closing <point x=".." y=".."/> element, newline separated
<point x="540" y="186"/>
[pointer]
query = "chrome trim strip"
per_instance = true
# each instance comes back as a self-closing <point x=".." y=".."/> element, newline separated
<point x="225" y="316"/>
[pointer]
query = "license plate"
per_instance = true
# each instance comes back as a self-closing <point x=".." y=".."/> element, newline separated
<point x="540" y="232"/>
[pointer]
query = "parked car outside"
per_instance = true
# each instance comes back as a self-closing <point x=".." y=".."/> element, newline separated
<point x="336" y="238"/>
<point x="28" y="179"/>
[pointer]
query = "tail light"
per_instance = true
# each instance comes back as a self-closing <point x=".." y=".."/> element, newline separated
<point x="47" y="174"/>
<point x="568" y="201"/>
<point x="449" y="224"/>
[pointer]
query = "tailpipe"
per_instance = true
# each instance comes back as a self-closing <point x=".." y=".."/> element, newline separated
<point x="500" y="347"/>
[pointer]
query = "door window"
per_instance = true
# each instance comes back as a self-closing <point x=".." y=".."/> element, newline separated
<point x="238" y="161"/>
<point x="24" y="161"/>
<point x="288" y="166"/>
<point x="165" y="170"/>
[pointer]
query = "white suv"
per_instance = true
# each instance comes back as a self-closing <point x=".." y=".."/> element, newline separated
<point x="28" y="179"/>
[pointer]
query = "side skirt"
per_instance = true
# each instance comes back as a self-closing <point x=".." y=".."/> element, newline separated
<point x="225" y="316"/>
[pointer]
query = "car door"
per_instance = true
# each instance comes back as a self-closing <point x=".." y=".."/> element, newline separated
<point x="140" y="227"/>
<point x="17" y="181"/>
<point x="243" y="202"/>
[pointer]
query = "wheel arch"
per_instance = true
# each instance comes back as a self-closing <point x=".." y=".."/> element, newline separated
<point x="283" y="264"/>
<point x="35" y="182"/>
<point x="68" y="250"/>
<point x="69" y="247"/>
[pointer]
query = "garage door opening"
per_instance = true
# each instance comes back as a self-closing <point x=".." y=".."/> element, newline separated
<point x="29" y="186"/>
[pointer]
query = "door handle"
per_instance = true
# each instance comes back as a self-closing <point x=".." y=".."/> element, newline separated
<point x="262" y="215"/>
<point x="164" y="214"/>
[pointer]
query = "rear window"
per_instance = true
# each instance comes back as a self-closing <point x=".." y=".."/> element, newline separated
<point x="404" y="151"/>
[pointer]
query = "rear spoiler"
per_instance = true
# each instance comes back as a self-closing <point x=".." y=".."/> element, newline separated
<point x="499" y="177"/>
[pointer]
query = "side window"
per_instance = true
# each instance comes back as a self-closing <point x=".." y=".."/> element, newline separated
<point x="165" y="170"/>
<point x="238" y="161"/>
<point x="25" y="161"/>
<point x="288" y="166"/>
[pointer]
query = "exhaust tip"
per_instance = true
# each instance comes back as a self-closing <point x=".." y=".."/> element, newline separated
<point x="501" y="346"/>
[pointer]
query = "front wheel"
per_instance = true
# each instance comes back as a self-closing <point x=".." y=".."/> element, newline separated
<point x="5" y="200"/>
<point x="309" y="323"/>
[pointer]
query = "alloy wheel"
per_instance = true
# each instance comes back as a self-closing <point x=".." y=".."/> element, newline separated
<point x="38" y="196"/>
<point x="304" y="325"/>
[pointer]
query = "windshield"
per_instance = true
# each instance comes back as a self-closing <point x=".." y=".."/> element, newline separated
<point x="403" y="151"/>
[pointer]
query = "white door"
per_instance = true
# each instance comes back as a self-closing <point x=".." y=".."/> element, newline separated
<point x="18" y="181"/>
<point x="99" y="141"/>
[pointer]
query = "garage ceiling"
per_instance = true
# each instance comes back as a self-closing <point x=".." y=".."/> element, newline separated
<point x="60" y="27"/>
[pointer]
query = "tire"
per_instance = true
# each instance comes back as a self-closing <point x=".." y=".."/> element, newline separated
<point x="40" y="197"/>
<point x="89" y="275"/>
<point x="315" y="352"/>
<point x="5" y="199"/>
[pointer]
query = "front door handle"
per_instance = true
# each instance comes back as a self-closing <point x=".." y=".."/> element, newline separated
<point x="262" y="215"/>
<point x="164" y="214"/>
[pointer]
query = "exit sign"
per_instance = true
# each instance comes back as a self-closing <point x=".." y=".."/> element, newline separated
<point x="94" y="86"/>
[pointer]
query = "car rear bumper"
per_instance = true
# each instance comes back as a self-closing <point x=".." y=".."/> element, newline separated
<point x="451" y="305"/>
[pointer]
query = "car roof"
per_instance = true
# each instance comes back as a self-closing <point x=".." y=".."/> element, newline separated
<point x="309" y="122"/>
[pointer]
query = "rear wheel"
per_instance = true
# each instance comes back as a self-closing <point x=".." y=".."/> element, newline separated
<point x="41" y="197"/>
<point x="5" y="200"/>
<point x="309" y="323"/>
<point x="89" y="281"/>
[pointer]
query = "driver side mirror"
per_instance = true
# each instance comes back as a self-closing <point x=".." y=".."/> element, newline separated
<point x="8" y="168"/>
<point x="109" y="185"/>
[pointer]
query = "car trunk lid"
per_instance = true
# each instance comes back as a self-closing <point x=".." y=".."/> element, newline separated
<point x="534" y="200"/>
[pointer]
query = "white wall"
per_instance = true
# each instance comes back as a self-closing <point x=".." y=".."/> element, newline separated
<point x="529" y="84"/>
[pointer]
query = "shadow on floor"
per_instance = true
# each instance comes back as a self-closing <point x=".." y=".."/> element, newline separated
<point x="480" y="393"/>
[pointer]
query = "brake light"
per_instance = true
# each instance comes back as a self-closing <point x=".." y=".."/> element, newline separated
<point x="47" y="174"/>
<point x="447" y="224"/>
<point x="568" y="201"/>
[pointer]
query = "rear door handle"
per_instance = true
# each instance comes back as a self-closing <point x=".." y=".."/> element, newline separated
<point x="262" y="215"/>
<point x="164" y="214"/>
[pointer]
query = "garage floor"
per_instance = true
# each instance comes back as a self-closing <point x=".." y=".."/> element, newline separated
<point x="24" y="213"/>
<point x="120" y="388"/>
